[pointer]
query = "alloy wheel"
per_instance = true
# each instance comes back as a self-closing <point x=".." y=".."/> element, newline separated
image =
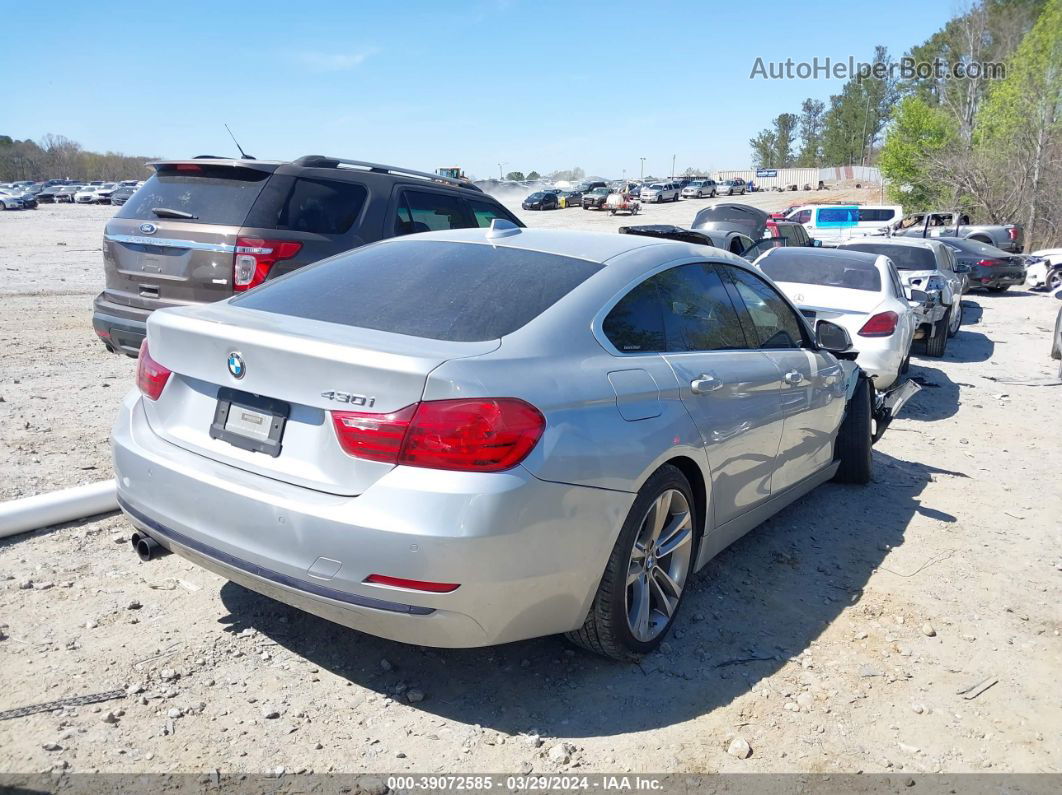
<point x="659" y="565"/>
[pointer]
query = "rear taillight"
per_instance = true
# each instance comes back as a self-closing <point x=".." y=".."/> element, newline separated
<point x="989" y="262"/>
<point x="254" y="258"/>
<point x="1012" y="231"/>
<point x="468" y="435"/>
<point x="151" y="377"/>
<point x="880" y="325"/>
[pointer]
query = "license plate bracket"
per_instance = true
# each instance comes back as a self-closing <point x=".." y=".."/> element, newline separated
<point x="250" y="422"/>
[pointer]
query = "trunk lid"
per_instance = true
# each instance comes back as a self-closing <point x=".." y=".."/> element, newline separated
<point x="302" y="363"/>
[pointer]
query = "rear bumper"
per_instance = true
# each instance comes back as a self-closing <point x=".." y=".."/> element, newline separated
<point x="880" y="358"/>
<point x="120" y="328"/>
<point x="528" y="554"/>
<point x="981" y="276"/>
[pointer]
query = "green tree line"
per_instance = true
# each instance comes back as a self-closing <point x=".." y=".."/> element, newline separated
<point x="993" y="147"/>
<point x="57" y="157"/>
<point x="846" y="132"/>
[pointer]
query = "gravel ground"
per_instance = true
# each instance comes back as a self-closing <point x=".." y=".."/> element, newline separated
<point x="836" y="637"/>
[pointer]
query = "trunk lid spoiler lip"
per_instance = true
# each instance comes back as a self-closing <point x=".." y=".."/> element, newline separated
<point x="345" y="343"/>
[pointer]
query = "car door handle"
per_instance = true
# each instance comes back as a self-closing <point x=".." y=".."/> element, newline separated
<point x="705" y="383"/>
<point x="794" y="377"/>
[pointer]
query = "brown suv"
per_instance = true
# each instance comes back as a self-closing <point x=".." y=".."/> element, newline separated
<point x="201" y="230"/>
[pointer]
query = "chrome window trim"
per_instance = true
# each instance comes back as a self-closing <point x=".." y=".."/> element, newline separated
<point x="168" y="242"/>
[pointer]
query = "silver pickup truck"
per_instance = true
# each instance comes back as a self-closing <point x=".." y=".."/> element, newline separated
<point x="1008" y="237"/>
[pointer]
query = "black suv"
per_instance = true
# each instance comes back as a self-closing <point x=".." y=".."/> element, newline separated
<point x="203" y="229"/>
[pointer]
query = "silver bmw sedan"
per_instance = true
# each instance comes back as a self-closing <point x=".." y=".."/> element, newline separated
<point x="477" y="436"/>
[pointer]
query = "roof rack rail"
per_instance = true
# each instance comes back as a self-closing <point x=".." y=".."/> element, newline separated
<point x="321" y="161"/>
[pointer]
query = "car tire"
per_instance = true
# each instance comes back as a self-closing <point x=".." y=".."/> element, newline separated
<point x="953" y="329"/>
<point x="607" y="629"/>
<point x="1054" y="279"/>
<point x="937" y="342"/>
<point x="852" y="448"/>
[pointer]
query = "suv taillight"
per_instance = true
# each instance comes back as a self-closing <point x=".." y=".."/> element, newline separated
<point x="254" y="258"/>
<point x="1013" y="232"/>
<point x="151" y="377"/>
<point x="880" y="325"/>
<point x="468" y="434"/>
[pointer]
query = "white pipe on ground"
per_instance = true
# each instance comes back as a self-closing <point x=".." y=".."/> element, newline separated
<point x="56" y="507"/>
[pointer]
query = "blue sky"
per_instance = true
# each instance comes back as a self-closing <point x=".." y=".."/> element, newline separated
<point x="533" y="85"/>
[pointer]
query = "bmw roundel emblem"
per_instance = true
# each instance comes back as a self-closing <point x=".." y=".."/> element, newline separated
<point x="148" y="229"/>
<point x="236" y="365"/>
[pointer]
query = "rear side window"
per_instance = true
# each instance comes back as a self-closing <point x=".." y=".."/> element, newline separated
<point x="802" y="217"/>
<point x="636" y="323"/>
<point x="777" y="326"/>
<point x="211" y="194"/>
<point x="698" y="313"/>
<point x="876" y="214"/>
<point x="679" y="310"/>
<point x="321" y="206"/>
<point x="422" y="211"/>
<point x="906" y="258"/>
<point x="462" y="292"/>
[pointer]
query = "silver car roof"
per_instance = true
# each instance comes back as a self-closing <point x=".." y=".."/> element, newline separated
<point x="917" y="242"/>
<point x="600" y="247"/>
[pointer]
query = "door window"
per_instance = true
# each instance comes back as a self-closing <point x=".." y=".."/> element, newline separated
<point x="421" y="211"/>
<point x="776" y="325"/>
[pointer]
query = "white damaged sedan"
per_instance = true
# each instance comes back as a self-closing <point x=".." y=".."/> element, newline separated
<point x="860" y="292"/>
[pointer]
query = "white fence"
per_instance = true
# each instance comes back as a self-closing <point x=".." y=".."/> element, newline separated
<point x="800" y="177"/>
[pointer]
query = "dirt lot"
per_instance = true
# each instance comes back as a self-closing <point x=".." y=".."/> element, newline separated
<point x="836" y="637"/>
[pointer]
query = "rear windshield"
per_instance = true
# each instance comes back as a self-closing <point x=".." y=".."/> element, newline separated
<point x="321" y="206"/>
<point x="437" y="290"/>
<point x="213" y="194"/>
<point x="827" y="271"/>
<point x="906" y="258"/>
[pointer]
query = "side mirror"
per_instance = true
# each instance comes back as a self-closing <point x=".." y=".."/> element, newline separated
<point x="918" y="296"/>
<point x="961" y="268"/>
<point x="833" y="338"/>
<point x="816" y="242"/>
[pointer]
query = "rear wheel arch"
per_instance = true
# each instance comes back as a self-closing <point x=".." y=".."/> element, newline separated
<point x="693" y="473"/>
<point x="981" y="239"/>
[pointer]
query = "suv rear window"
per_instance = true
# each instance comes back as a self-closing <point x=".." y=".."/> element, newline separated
<point x="438" y="290"/>
<point x="321" y="206"/>
<point x="905" y="258"/>
<point x="213" y="194"/>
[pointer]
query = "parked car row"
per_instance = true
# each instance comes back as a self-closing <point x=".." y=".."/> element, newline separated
<point x="593" y="195"/>
<point x="28" y="195"/>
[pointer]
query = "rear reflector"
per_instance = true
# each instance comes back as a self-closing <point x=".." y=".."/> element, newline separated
<point x="151" y="377"/>
<point x="413" y="585"/>
<point x="467" y="435"/>
<point x="880" y="325"/>
<point x="254" y="258"/>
